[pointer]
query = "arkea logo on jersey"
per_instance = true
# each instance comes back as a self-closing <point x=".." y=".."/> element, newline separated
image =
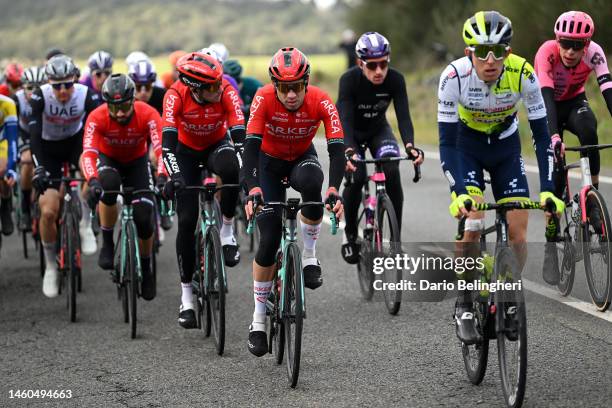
<point x="169" y="108"/>
<point x="291" y="131"/>
<point x="236" y="103"/>
<point x="333" y="115"/>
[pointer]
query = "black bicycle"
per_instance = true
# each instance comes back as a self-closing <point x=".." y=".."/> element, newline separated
<point x="381" y="234"/>
<point x="500" y="314"/>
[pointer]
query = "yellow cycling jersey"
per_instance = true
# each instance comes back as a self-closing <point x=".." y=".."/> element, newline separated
<point x="8" y="114"/>
<point x="489" y="108"/>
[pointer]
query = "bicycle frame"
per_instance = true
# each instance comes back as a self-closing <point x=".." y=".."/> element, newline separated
<point x="289" y="236"/>
<point x="127" y="221"/>
<point x="71" y="206"/>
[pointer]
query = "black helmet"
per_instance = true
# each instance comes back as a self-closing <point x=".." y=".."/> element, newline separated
<point x="118" y="88"/>
<point x="60" y="67"/>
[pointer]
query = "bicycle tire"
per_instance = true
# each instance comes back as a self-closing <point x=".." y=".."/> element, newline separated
<point x="293" y="311"/>
<point x="385" y="212"/>
<point x="476" y="356"/>
<point x="24" y="243"/>
<point x="513" y="386"/>
<point x="567" y="249"/>
<point x="365" y="273"/>
<point x="131" y="270"/>
<point x="215" y="286"/>
<point x="70" y="264"/>
<point x="204" y="317"/>
<point x="122" y="293"/>
<point x="277" y="330"/>
<point x="599" y="289"/>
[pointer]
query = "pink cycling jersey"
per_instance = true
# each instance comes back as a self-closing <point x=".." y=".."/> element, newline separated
<point x="569" y="82"/>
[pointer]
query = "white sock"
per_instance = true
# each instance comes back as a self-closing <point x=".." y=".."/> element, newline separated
<point x="261" y="290"/>
<point x="187" y="295"/>
<point x="50" y="255"/>
<point x="86" y="218"/>
<point x="310" y="234"/>
<point x="227" y="229"/>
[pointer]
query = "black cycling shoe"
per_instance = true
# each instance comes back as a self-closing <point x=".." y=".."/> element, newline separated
<point x="148" y="288"/>
<point x="312" y="273"/>
<point x="350" y="252"/>
<point x="106" y="257"/>
<point x="166" y="222"/>
<point x="511" y="321"/>
<point x="594" y="215"/>
<point x="258" y="343"/>
<point x="187" y="318"/>
<point x="6" y="217"/>
<point x="550" y="268"/>
<point x="231" y="255"/>
<point x="465" y="324"/>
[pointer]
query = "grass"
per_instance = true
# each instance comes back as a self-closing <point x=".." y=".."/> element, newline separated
<point x="422" y="90"/>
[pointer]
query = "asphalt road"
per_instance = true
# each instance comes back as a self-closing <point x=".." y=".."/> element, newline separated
<point x="354" y="352"/>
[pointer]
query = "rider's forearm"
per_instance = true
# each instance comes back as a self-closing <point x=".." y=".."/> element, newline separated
<point x="548" y="94"/>
<point x="448" y="156"/>
<point x="11" y="132"/>
<point x="337" y="161"/>
<point x="607" y="94"/>
<point x="169" y="144"/>
<point x="541" y="141"/>
<point x="238" y="134"/>
<point x="250" y="160"/>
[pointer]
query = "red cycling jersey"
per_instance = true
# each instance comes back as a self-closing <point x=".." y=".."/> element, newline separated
<point x="123" y="143"/>
<point x="201" y="125"/>
<point x="287" y="135"/>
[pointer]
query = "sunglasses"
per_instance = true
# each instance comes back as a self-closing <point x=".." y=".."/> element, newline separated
<point x="212" y="88"/>
<point x="144" y="87"/>
<point x="66" y="85"/>
<point x="482" y="51"/>
<point x="103" y="72"/>
<point x="286" y="87"/>
<point x="124" y="107"/>
<point x="372" y="65"/>
<point x="576" y="45"/>
<point x="30" y="88"/>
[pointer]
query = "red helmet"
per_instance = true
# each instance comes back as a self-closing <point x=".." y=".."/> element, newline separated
<point x="196" y="69"/>
<point x="574" y="24"/>
<point x="13" y="72"/>
<point x="289" y="64"/>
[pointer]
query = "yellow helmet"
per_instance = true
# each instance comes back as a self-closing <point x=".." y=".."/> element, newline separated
<point x="487" y="27"/>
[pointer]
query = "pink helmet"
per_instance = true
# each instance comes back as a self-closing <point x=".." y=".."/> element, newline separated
<point x="574" y="24"/>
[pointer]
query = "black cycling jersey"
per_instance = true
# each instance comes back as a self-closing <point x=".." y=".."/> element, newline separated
<point x="362" y="105"/>
<point x="157" y="99"/>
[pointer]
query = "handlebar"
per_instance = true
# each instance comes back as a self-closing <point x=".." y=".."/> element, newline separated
<point x="381" y="160"/>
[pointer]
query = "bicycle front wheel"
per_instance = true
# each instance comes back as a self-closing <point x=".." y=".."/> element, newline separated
<point x="476" y="356"/>
<point x="511" y="330"/>
<point x="215" y="286"/>
<point x="566" y="252"/>
<point x="387" y="244"/>
<point x="293" y="310"/>
<point x="596" y="250"/>
<point x="70" y="260"/>
<point x="131" y="280"/>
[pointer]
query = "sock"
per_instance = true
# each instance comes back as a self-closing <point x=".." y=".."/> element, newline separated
<point x="25" y="201"/>
<point x="107" y="236"/>
<point x="310" y="234"/>
<point x="86" y="218"/>
<point x="261" y="290"/>
<point x="187" y="295"/>
<point x="227" y="229"/>
<point x="49" y="249"/>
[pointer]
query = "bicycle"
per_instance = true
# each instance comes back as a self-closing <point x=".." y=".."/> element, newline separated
<point x="241" y="224"/>
<point x="381" y="234"/>
<point x="286" y="305"/>
<point x="210" y="280"/>
<point x="585" y="230"/>
<point x="69" y="242"/>
<point x="500" y="314"/>
<point x="128" y="272"/>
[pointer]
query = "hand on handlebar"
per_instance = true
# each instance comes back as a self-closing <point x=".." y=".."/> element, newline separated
<point x="333" y="202"/>
<point x="457" y="208"/>
<point x="412" y="151"/>
<point x="548" y="200"/>
<point x="350" y="154"/>
<point x="558" y="146"/>
<point x="254" y="198"/>
<point x="173" y="186"/>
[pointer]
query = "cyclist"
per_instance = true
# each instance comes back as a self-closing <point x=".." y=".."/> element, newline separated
<point x="8" y="156"/>
<point x="115" y="146"/>
<point x="12" y="78"/>
<point x="284" y="120"/>
<point x="365" y="93"/>
<point x="170" y="77"/>
<point x="563" y="66"/>
<point x="215" y="54"/>
<point x="59" y="109"/>
<point x="247" y="86"/>
<point x="198" y="110"/>
<point x="33" y="78"/>
<point x="477" y="107"/>
<point x="100" y="65"/>
<point x="220" y="50"/>
<point x="144" y="76"/>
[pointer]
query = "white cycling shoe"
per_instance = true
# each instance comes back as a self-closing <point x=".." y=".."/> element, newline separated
<point x="89" y="245"/>
<point x="51" y="283"/>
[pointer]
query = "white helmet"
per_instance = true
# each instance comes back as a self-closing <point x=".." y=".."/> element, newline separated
<point x="135" y="56"/>
<point x="212" y="53"/>
<point x="221" y="51"/>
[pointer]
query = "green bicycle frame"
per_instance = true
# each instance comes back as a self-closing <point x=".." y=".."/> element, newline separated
<point x="127" y="222"/>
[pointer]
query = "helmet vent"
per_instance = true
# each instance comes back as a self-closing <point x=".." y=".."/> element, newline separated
<point x="587" y="28"/>
<point x="571" y="27"/>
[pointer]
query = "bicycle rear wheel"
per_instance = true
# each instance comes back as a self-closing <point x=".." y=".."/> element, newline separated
<point x="365" y="272"/>
<point x="277" y="329"/>
<point x="293" y="311"/>
<point x="387" y="244"/>
<point x="596" y="249"/>
<point x="70" y="264"/>
<point x="215" y="286"/>
<point x="476" y="356"/>
<point x="566" y="251"/>
<point x="511" y="330"/>
<point x="203" y="312"/>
